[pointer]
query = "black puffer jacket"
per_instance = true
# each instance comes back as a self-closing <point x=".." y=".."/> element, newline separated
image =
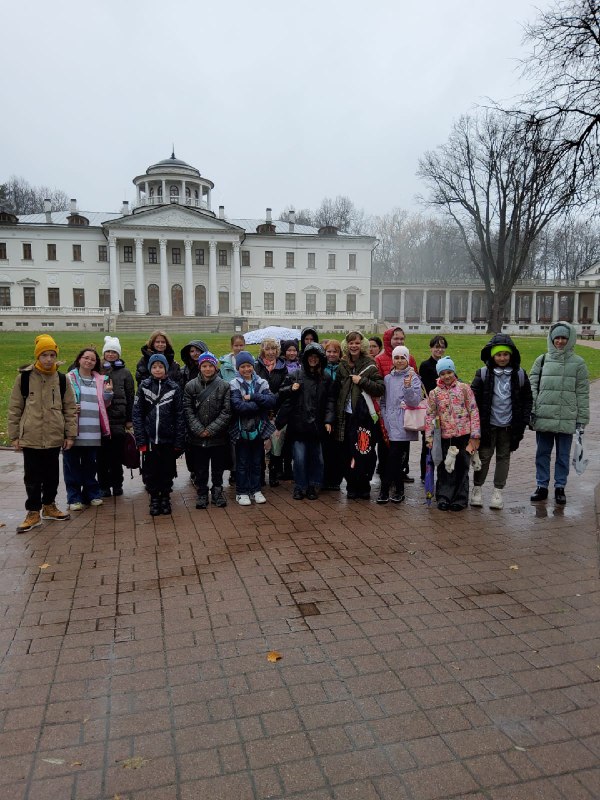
<point x="190" y="368"/>
<point x="520" y="392"/>
<point x="142" y="372"/>
<point x="276" y="377"/>
<point x="211" y="413"/>
<point x="121" y="408"/>
<point x="308" y="409"/>
<point x="158" y="414"/>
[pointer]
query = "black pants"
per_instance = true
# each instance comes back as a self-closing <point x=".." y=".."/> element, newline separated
<point x="216" y="457"/>
<point x="333" y="460"/>
<point x="453" y="487"/>
<point x="158" y="468"/>
<point x="395" y="466"/>
<point x="41" y="475"/>
<point x="109" y="461"/>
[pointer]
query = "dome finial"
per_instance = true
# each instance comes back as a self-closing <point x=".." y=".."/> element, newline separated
<point x="173" y="151"/>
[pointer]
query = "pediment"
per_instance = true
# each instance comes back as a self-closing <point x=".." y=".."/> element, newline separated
<point x="174" y="217"/>
<point x="592" y="271"/>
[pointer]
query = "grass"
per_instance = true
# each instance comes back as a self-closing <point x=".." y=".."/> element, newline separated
<point x="16" y="349"/>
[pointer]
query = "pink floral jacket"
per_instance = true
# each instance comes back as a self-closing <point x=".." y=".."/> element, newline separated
<point x="457" y="411"/>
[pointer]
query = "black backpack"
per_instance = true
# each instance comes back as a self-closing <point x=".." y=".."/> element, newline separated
<point x="62" y="381"/>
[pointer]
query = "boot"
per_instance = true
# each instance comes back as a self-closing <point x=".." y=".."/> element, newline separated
<point x="541" y="493"/>
<point x="165" y="503"/>
<point x="32" y="520"/>
<point x="217" y="497"/>
<point x="155" y="509"/>
<point x="274" y="471"/>
<point x="202" y="500"/>
<point x="50" y="511"/>
<point x="559" y="496"/>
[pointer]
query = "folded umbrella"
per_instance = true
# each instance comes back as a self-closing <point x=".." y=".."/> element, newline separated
<point x="429" y="478"/>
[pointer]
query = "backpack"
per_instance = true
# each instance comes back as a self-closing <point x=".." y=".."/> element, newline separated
<point x="483" y="373"/>
<point x="130" y="457"/>
<point x="62" y="382"/>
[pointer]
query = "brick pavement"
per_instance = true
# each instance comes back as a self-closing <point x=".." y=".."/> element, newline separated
<point x="425" y="655"/>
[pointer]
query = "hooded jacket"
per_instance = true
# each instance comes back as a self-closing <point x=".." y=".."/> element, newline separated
<point x="290" y="366"/>
<point x="121" y="408"/>
<point x="456" y="409"/>
<point x="158" y="413"/>
<point x="384" y="361"/>
<point x="190" y="367"/>
<point x="210" y="413"/>
<point x="251" y="414"/>
<point x="142" y="372"/>
<point x="227" y="367"/>
<point x="397" y="396"/>
<point x="303" y="333"/>
<point x="371" y="382"/>
<point x="45" y="419"/>
<point x="560" y="387"/>
<point x="308" y="409"/>
<point x="520" y="392"/>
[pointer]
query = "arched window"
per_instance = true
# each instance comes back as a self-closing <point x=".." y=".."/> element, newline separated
<point x="151" y="191"/>
<point x="177" y="300"/>
<point x="174" y="191"/>
<point x="188" y="192"/>
<point x="153" y="299"/>
<point x="200" y="301"/>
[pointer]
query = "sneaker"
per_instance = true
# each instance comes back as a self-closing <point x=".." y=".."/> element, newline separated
<point x="217" y="497"/>
<point x="259" y="497"/>
<point x="397" y="497"/>
<point x="496" y="501"/>
<point x="97" y="501"/>
<point x="32" y="520"/>
<point x="298" y="494"/>
<point x="312" y="493"/>
<point x="559" y="496"/>
<point x="202" y="501"/>
<point x="243" y="499"/>
<point x="52" y="512"/>
<point x="477" y="497"/>
<point x="541" y="493"/>
<point x="384" y="496"/>
<point x="105" y="493"/>
<point x="78" y="506"/>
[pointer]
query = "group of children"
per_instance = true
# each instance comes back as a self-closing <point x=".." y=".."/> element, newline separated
<point x="317" y="411"/>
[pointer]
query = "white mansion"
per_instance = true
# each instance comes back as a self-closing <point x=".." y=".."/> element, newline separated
<point x="171" y="255"/>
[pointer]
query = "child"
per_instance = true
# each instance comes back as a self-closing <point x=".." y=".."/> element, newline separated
<point x="289" y="353"/>
<point x="333" y="451"/>
<point x="110" y="453"/>
<point x="207" y="409"/>
<point x="189" y="358"/>
<point x="251" y="402"/>
<point x="228" y="369"/>
<point x="503" y="396"/>
<point x="437" y="347"/>
<point x="159" y="429"/>
<point x="158" y="342"/>
<point x="308" y="410"/>
<point x="402" y="388"/>
<point x="453" y="404"/>
<point x="42" y="420"/>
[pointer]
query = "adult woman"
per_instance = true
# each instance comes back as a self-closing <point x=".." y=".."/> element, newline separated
<point x="158" y="342"/>
<point x="355" y="426"/>
<point x="93" y="393"/>
<point x="272" y="369"/>
<point x="333" y="451"/>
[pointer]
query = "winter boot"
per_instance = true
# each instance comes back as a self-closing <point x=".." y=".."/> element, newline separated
<point x="541" y="493"/>
<point x="165" y="503"/>
<point x="32" y="520"/>
<point x="274" y="467"/>
<point x="217" y="497"/>
<point x="155" y="509"/>
<point x="50" y="511"/>
<point x="202" y="500"/>
<point x="496" y="500"/>
<point x="559" y="496"/>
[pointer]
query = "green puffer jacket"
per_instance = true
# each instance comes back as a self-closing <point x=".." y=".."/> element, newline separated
<point x="560" y="388"/>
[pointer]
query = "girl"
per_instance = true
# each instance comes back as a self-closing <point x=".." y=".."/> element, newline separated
<point x="189" y="357"/>
<point x="453" y="405"/>
<point x="227" y="366"/>
<point x="273" y="370"/>
<point x="437" y="347"/>
<point x="93" y="394"/>
<point x="158" y="342"/>
<point x="375" y="346"/>
<point x="333" y="456"/>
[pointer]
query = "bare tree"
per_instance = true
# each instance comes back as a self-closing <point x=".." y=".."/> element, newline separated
<point x="303" y="215"/>
<point x="21" y="197"/>
<point x="501" y="182"/>
<point x="565" y="250"/>
<point x="341" y="213"/>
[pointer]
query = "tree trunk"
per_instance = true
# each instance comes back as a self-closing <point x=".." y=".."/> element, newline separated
<point x="496" y="315"/>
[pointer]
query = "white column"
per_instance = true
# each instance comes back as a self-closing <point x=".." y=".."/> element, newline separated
<point x="164" y="191"/>
<point x="146" y="190"/>
<point x="113" y="268"/>
<point x="555" y="307"/>
<point x="447" y="308"/>
<point x="213" y="294"/>
<point x="469" y="307"/>
<point x="140" y="282"/>
<point x="139" y="195"/>
<point x="534" y="308"/>
<point x="183" y="198"/>
<point x="165" y="295"/>
<point x="380" y="304"/>
<point x="513" y="304"/>
<point x="188" y="281"/>
<point x="236" y="280"/>
<point x="402" y="303"/>
<point x="576" y="309"/>
<point x="208" y="199"/>
<point x="424" y="307"/>
<point x="595" y="312"/>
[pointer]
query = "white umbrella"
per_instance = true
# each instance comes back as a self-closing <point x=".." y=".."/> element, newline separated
<point x="271" y="332"/>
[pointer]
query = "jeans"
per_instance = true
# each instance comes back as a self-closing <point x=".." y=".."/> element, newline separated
<point x="308" y="464"/>
<point x="500" y="442"/>
<point x="79" y="469"/>
<point x="41" y="476"/>
<point x="248" y="461"/>
<point x="545" y="443"/>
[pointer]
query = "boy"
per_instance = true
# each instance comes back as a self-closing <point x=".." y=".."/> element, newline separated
<point x="251" y="402"/>
<point x="207" y="409"/>
<point x="159" y="432"/>
<point x="42" y="419"/>
<point x="503" y="396"/>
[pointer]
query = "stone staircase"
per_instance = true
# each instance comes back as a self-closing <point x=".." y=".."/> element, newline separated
<point x="135" y="322"/>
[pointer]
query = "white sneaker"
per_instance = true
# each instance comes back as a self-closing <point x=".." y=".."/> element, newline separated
<point x="477" y="496"/>
<point x="97" y="501"/>
<point x="451" y="458"/>
<point x="76" y="506"/>
<point x="259" y="497"/>
<point x="497" y="501"/>
<point x="243" y="499"/>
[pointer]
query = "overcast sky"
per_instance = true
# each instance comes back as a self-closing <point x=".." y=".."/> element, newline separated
<point x="277" y="103"/>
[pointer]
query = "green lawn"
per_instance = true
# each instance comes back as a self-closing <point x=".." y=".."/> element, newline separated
<point x="16" y="349"/>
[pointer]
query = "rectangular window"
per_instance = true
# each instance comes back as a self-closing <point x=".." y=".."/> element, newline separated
<point x="54" y="297"/>
<point x="290" y="301"/>
<point x="311" y="303"/>
<point x="245" y="258"/>
<point x="104" y="298"/>
<point x="350" y="302"/>
<point x="78" y="298"/>
<point x="29" y="295"/>
<point x="246" y="301"/>
<point x="176" y="255"/>
<point x="268" y="258"/>
<point x="269" y="301"/>
<point x="311" y="261"/>
<point x="26" y="252"/>
<point x="152" y="255"/>
<point x="102" y="252"/>
<point x="222" y="258"/>
<point x="224" y="302"/>
<point x="5" y="296"/>
<point x="200" y="257"/>
<point x="331" y="261"/>
<point x="352" y="261"/>
<point x="289" y="261"/>
<point x="76" y="252"/>
<point x="3" y="251"/>
<point x="128" y="253"/>
<point x="330" y="303"/>
<point x="51" y="252"/>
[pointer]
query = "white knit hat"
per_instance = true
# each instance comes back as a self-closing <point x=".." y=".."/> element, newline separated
<point x="401" y="351"/>
<point x="112" y="343"/>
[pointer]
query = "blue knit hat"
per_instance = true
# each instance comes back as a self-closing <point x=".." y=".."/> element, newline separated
<point x="160" y="358"/>
<point x="445" y="363"/>
<point x="244" y="357"/>
<point x="208" y="356"/>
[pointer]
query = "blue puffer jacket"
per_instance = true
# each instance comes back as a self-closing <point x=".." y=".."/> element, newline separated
<point x="158" y="414"/>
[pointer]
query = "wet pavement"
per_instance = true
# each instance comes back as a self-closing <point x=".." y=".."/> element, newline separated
<point x="423" y="654"/>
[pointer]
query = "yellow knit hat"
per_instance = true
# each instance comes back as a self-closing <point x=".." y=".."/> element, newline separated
<point x="44" y="342"/>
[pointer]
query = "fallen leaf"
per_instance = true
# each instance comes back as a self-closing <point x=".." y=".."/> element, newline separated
<point x="86" y="719"/>
<point x="520" y="749"/>
<point x="514" y="566"/>
<point x="273" y="655"/>
<point x="45" y="566"/>
<point x="55" y="761"/>
<point x="412" y="552"/>
<point x="75" y="764"/>
<point x="2" y="524"/>
<point x="134" y="763"/>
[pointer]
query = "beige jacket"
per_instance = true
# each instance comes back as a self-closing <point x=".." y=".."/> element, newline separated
<point x="45" y="420"/>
